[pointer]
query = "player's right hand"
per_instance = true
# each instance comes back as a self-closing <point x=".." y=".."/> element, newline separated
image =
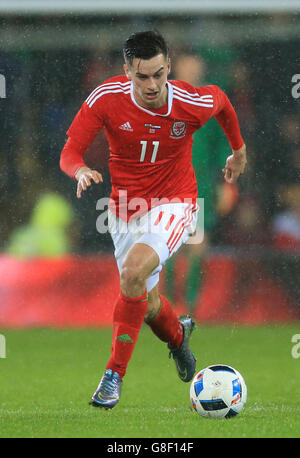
<point x="85" y="176"/>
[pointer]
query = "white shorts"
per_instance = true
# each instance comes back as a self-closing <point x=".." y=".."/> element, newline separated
<point x="164" y="228"/>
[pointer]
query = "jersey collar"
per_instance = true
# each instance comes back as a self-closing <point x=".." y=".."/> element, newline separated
<point x="153" y="113"/>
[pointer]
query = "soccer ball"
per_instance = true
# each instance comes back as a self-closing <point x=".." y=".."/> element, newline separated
<point x="218" y="391"/>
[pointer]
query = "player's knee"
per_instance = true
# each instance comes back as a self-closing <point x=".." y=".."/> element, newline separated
<point x="132" y="280"/>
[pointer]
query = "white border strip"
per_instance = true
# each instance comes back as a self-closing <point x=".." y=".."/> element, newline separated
<point x="119" y="7"/>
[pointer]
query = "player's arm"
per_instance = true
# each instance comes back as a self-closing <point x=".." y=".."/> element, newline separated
<point x="72" y="163"/>
<point x="82" y="133"/>
<point x="226" y="116"/>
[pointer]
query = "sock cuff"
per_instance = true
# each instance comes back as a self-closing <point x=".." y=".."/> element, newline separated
<point x="130" y="310"/>
<point x="143" y="297"/>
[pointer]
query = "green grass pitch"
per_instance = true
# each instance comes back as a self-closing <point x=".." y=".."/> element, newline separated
<point x="49" y="375"/>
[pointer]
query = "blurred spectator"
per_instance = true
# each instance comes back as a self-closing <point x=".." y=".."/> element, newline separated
<point x="241" y="96"/>
<point x="246" y="226"/>
<point x="285" y="228"/>
<point x="47" y="232"/>
<point x="287" y="157"/>
<point x="190" y="68"/>
<point x="286" y="224"/>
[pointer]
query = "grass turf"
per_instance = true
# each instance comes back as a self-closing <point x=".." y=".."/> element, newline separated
<point x="49" y="375"/>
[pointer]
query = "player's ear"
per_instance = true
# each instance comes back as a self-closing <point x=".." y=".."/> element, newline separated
<point x="169" y="66"/>
<point x="127" y="71"/>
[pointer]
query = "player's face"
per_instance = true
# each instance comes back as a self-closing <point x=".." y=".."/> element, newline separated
<point x="149" y="79"/>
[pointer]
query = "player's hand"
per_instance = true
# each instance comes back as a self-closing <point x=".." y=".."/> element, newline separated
<point x="85" y="176"/>
<point x="235" y="165"/>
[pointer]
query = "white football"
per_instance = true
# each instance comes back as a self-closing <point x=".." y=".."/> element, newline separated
<point x="218" y="391"/>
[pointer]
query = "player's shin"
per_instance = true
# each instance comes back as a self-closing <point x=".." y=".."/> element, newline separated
<point x="176" y="332"/>
<point x="128" y="318"/>
<point x="166" y="325"/>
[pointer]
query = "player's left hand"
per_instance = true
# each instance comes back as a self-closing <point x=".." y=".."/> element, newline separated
<point x="235" y="165"/>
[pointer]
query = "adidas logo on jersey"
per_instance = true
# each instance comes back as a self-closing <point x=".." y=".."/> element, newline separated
<point x="126" y="126"/>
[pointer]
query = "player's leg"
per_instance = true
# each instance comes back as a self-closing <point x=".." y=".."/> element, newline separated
<point x="162" y="319"/>
<point x="139" y="261"/>
<point x="175" y="331"/>
<point x="129" y="313"/>
<point x="131" y="307"/>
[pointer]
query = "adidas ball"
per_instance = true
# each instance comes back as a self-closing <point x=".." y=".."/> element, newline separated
<point x="218" y="391"/>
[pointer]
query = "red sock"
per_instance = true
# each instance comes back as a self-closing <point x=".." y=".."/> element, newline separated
<point x="128" y="318"/>
<point x="166" y="325"/>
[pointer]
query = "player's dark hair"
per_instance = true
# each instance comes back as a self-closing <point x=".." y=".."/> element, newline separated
<point x="144" y="45"/>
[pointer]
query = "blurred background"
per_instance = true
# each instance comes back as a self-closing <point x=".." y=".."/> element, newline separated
<point x="55" y="267"/>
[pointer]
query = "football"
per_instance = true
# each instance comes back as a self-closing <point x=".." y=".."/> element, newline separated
<point x="218" y="391"/>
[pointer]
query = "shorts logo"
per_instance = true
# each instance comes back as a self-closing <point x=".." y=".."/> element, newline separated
<point x="178" y="129"/>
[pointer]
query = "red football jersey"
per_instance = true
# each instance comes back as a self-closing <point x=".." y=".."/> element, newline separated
<point x="150" y="150"/>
